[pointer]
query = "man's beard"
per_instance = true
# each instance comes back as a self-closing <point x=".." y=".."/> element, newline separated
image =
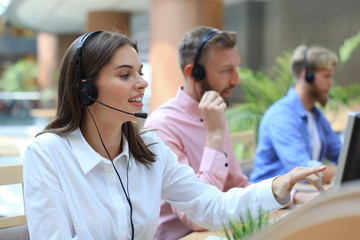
<point x="319" y="96"/>
<point x="323" y="100"/>
<point x="205" y="86"/>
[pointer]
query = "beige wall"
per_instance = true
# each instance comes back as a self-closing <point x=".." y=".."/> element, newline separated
<point x="108" y="20"/>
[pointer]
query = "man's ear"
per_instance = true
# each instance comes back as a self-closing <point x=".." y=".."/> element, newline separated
<point x="188" y="71"/>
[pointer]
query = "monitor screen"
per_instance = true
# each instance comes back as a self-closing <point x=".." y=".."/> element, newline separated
<point x="349" y="159"/>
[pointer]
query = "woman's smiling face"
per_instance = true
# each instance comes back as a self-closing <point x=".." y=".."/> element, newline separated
<point x="120" y="85"/>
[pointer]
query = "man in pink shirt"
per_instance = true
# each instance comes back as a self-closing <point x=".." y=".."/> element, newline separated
<point x="193" y="124"/>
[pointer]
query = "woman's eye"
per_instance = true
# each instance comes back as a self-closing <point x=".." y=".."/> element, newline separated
<point x="141" y="73"/>
<point x="227" y="71"/>
<point x="125" y="75"/>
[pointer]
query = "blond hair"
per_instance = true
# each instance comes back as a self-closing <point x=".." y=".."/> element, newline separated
<point x="317" y="58"/>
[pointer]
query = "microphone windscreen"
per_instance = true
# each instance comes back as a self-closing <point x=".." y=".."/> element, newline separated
<point x="141" y="115"/>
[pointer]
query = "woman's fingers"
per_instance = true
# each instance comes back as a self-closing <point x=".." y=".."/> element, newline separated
<point x="322" y="177"/>
<point x="284" y="184"/>
<point x="302" y="173"/>
<point x="317" y="180"/>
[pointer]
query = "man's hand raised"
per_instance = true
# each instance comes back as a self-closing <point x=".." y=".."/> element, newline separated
<point x="212" y="109"/>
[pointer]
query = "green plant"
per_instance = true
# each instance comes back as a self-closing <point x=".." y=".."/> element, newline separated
<point x="241" y="119"/>
<point x="261" y="91"/>
<point x="20" y="76"/>
<point x="246" y="225"/>
<point x="347" y="49"/>
<point x="342" y="96"/>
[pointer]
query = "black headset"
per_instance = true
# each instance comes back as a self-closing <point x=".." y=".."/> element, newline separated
<point x="199" y="71"/>
<point x="87" y="88"/>
<point x="309" y="76"/>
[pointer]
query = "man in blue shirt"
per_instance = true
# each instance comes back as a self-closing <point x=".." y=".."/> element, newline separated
<point x="293" y="131"/>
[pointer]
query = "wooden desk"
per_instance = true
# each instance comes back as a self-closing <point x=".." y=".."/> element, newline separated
<point x="273" y="216"/>
<point x="204" y="235"/>
<point x="220" y="233"/>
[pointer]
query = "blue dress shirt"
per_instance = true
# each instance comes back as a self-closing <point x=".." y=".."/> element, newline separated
<point x="284" y="139"/>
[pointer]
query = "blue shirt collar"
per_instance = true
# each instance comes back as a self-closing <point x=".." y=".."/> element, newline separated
<point x="299" y="106"/>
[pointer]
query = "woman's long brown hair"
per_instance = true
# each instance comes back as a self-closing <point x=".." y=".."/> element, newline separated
<point x="96" y="53"/>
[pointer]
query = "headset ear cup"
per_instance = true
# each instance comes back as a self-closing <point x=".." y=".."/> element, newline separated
<point x="88" y="93"/>
<point x="198" y="72"/>
<point x="309" y="77"/>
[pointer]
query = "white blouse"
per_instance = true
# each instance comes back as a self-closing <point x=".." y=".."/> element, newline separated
<point x="72" y="192"/>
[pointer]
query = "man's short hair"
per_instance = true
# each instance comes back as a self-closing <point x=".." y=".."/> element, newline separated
<point x="317" y="58"/>
<point x="189" y="45"/>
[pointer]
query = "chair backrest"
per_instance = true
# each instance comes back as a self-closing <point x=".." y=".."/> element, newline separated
<point x="7" y="148"/>
<point x="248" y="140"/>
<point x="13" y="174"/>
<point x="332" y="217"/>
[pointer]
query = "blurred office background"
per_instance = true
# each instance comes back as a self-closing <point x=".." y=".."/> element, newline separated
<point x="34" y="35"/>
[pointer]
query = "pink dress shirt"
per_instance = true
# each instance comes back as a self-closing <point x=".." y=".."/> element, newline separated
<point x="178" y="123"/>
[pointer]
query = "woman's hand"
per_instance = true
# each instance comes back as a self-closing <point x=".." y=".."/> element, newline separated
<point x="282" y="185"/>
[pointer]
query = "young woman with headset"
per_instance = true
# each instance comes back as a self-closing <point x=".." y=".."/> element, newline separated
<point x="93" y="174"/>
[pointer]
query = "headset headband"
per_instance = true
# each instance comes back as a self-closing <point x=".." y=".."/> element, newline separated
<point x="199" y="71"/>
<point x="309" y="76"/>
<point x="79" y="73"/>
<point x="205" y="39"/>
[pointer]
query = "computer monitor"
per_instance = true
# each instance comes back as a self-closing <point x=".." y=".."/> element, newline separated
<point x="349" y="159"/>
